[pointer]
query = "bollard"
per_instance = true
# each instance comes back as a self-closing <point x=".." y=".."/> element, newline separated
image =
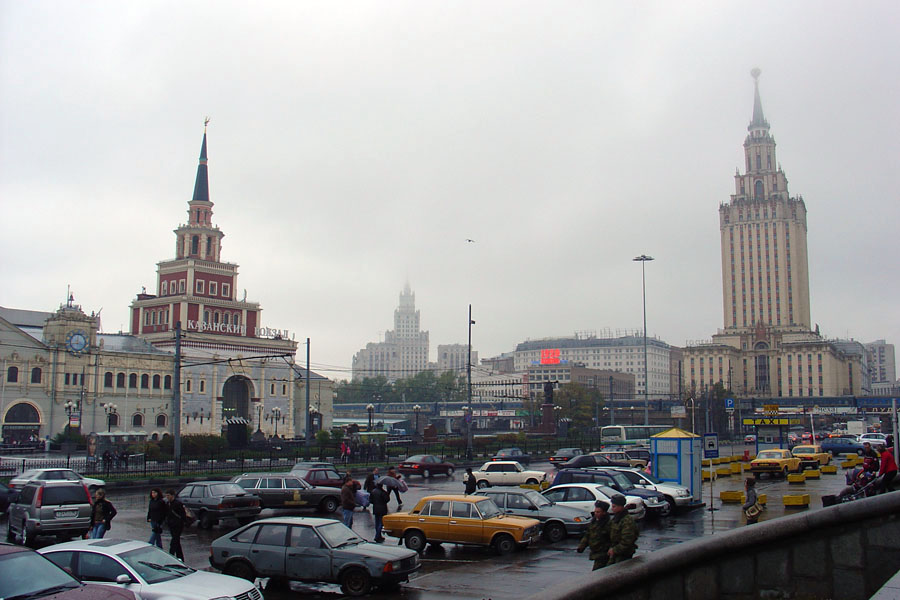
<point x="796" y="478"/>
<point x="796" y="500"/>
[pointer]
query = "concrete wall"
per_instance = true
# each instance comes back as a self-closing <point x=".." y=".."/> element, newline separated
<point x="846" y="551"/>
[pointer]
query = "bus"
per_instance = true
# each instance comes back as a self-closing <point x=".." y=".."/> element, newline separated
<point x="630" y="435"/>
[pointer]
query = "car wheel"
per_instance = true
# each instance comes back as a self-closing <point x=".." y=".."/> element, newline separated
<point x="415" y="540"/>
<point x="671" y="502"/>
<point x="450" y="472"/>
<point x="504" y="544"/>
<point x="355" y="582"/>
<point x="531" y="481"/>
<point x="483" y="484"/>
<point x="784" y="473"/>
<point x="206" y="521"/>
<point x="554" y="532"/>
<point x="666" y="509"/>
<point x="426" y="474"/>
<point x="28" y="539"/>
<point x="328" y="505"/>
<point x="240" y="569"/>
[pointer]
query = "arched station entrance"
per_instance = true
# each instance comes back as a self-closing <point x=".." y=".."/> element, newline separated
<point x="21" y="424"/>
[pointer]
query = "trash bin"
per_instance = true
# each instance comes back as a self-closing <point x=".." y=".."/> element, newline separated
<point x="746" y="455"/>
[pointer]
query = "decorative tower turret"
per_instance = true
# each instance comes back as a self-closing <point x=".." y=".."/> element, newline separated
<point x="199" y="238"/>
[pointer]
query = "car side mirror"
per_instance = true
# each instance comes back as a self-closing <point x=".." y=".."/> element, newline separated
<point x="124" y="579"/>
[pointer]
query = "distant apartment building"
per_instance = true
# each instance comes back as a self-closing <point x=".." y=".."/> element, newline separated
<point x="454" y="357"/>
<point x="404" y="351"/>
<point x="499" y="388"/>
<point x="623" y="354"/>
<point x="505" y="363"/>
<point x="882" y="362"/>
<point x="611" y="384"/>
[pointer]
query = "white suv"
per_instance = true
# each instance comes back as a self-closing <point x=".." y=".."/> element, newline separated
<point x="676" y="495"/>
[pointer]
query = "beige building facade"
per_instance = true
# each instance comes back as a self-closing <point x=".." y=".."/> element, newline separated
<point x="767" y="348"/>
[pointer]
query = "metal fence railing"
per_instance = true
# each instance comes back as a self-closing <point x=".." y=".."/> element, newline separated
<point x="137" y="466"/>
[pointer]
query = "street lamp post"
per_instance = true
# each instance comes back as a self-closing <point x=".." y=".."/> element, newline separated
<point x="556" y="410"/>
<point x="643" y="258"/>
<point x="467" y="419"/>
<point x="417" y="409"/>
<point x="312" y="419"/>
<point x="70" y="408"/>
<point x="110" y="410"/>
<point x="370" y="408"/>
<point x="276" y="414"/>
<point x="259" y="417"/>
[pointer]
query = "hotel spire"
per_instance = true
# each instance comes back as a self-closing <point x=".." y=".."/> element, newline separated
<point x="201" y="185"/>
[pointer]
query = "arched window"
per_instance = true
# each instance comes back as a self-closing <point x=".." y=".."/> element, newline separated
<point x="113" y="420"/>
<point x="137" y="420"/>
<point x="22" y="413"/>
<point x="167" y="382"/>
<point x="758" y="189"/>
<point x="132" y="380"/>
<point x="195" y="244"/>
<point x="206" y="316"/>
<point x="12" y="374"/>
<point x="209" y="244"/>
<point x="154" y="437"/>
<point x="160" y="420"/>
<point x="225" y="318"/>
<point x="145" y="382"/>
<point x="156" y="382"/>
<point x="36" y="375"/>
<point x="153" y="318"/>
<point x="216" y="317"/>
<point x="237" y="319"/>
<point x="108" y="379"/>
<point x="120" y="380"/>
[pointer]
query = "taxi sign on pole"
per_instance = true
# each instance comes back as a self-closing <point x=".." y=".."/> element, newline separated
<point x="710" y="445"/>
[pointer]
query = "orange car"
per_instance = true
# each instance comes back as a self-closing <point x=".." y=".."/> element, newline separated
<point x="474" y="520"/>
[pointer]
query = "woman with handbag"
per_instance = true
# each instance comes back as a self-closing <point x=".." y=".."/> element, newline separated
<point x="751" y="507"/>
<point x="102" y="513"/>
<point x="156" y="516"/>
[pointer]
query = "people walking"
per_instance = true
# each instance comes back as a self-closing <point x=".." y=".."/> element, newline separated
<point x="156" y="516"/>
<point x="623" y="532"/>
<point x="869" y="452"/>
<point x="102" y="514"/>
<point x="470" y="481"/>
<point x="176" y="517"/>
<point x="371" y="478"/>
<point x="888" y="470"/>
<point x="348" y="500"/>
<point x="379" y="499"/>
<point x="751" y="507"/>
<point x="597" y="536"/>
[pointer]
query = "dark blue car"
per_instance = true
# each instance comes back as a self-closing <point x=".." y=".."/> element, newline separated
<point x="838" y="445"/>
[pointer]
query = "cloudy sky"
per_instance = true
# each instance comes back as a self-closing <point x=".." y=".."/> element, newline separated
<point x="356" y="145"/>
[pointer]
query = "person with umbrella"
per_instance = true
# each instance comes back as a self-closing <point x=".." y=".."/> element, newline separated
<point x="393" y="481"/>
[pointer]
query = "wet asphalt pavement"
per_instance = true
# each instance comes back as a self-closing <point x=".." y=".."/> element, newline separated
<point x="467" y="572"/>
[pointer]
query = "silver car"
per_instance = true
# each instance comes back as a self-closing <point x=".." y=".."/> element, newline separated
<point x="145" y="570"/>
<point x="19" y="481"/>
<point x="60" y="508"/>
<point x="676" y="495"/>
<point x="557" y="521"/>
<point x="310" y="549"/>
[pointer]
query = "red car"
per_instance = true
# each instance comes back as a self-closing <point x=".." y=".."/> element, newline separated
<point x="425" y="465"/>
<point x="319" y="475"/>
<point x="25" y="573"/>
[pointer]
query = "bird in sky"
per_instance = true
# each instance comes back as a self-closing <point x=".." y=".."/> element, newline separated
<point x="470" y="241"/>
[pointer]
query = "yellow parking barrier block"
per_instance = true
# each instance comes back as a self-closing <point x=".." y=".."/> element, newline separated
<point x="831" y="469"/>
<point x="796" y="478"/>
<point x="736" y="458"/>
<point x="848" y="464"/>
<point x="706" y="462"/>
<point x="707" y="473"/>
<point x="813" y="474"/>
<point x="796" y="500"/>
<point x="723" y="471"/>
<point x="762" y="499"/>
<point x="731" y="496"/>
<point x="736" y="468"/>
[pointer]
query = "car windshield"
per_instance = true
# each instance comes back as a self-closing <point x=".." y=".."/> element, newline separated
<point x="804" y="450"/>
<point x="416" y="458"/>
<point x="225" y="489"/>
<point x="24" y="574"/>
<point x="537" y="499"/>
<point x="769" y="454"/>
<point x="300" y="472"/>
<point x="155" y="566"/>
<point x="65" y="494"/>
<point x="650" y="478"/>
<point x="622" y="481"/>
<point x="607" y="491"/>
<point x="338" y="535"/>
<point x="488" y="509"/>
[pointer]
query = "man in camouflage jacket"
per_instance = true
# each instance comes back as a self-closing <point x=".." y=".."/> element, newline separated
<point x="597" y="535"/>
<point x="623" y="532"/>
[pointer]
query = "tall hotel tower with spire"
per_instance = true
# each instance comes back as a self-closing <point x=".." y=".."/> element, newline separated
<point x="245" y="371"/>
<point x="767" y="347"/>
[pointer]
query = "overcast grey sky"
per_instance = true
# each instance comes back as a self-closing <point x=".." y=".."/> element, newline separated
<point x="355" y="145"/>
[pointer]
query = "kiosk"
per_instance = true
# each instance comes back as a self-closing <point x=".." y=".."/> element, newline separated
<point x="677" y="456"/>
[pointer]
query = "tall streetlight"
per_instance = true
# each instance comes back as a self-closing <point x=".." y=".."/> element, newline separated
<point x="259" y="410"/>
<point x="313" y="413"/>
<point x="469" y="361"/>
<point x="370" y="408"/>
<point x="110" y="410"/>
<point x="276" y="414"/>
<point x="556" y="410"/>
<point x="70" y="409"/>
<point x="417" y="409"/>
<point x="643" y="258"/>
<point x="467" y="418"/>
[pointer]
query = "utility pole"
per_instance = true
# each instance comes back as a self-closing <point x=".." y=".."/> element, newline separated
<point x="469" y="362"/>
<point x="176" y="399"/>
<point x="308" y="414"/>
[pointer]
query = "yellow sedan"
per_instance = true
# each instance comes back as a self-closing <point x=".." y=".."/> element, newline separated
<point x="775" y="461"/>
<point x="811" y="455"/>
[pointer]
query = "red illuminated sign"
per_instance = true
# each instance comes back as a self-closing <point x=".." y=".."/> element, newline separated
<point x="550" y="356"/>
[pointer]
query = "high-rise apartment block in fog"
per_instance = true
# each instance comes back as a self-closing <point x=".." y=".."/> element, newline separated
<point x="882" y="362"/>
<point x="768" y="346"/>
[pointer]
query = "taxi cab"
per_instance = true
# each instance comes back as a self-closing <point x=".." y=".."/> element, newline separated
<point x="811" y="455"/>
<point x="775" y="461"/>
<point x="472" y="520"/>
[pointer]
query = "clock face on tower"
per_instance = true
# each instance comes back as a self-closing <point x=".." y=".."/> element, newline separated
<point x="76" y="341"/>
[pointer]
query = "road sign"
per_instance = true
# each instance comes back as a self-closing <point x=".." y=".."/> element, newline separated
<point x="729" y="403"/>
<point x="710" y="445"/>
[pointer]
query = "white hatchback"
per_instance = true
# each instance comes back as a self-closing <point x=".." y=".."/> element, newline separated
<point x="676" y="495"/>
<point x="145" y="570"/>
<point x="583" y="495"/>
